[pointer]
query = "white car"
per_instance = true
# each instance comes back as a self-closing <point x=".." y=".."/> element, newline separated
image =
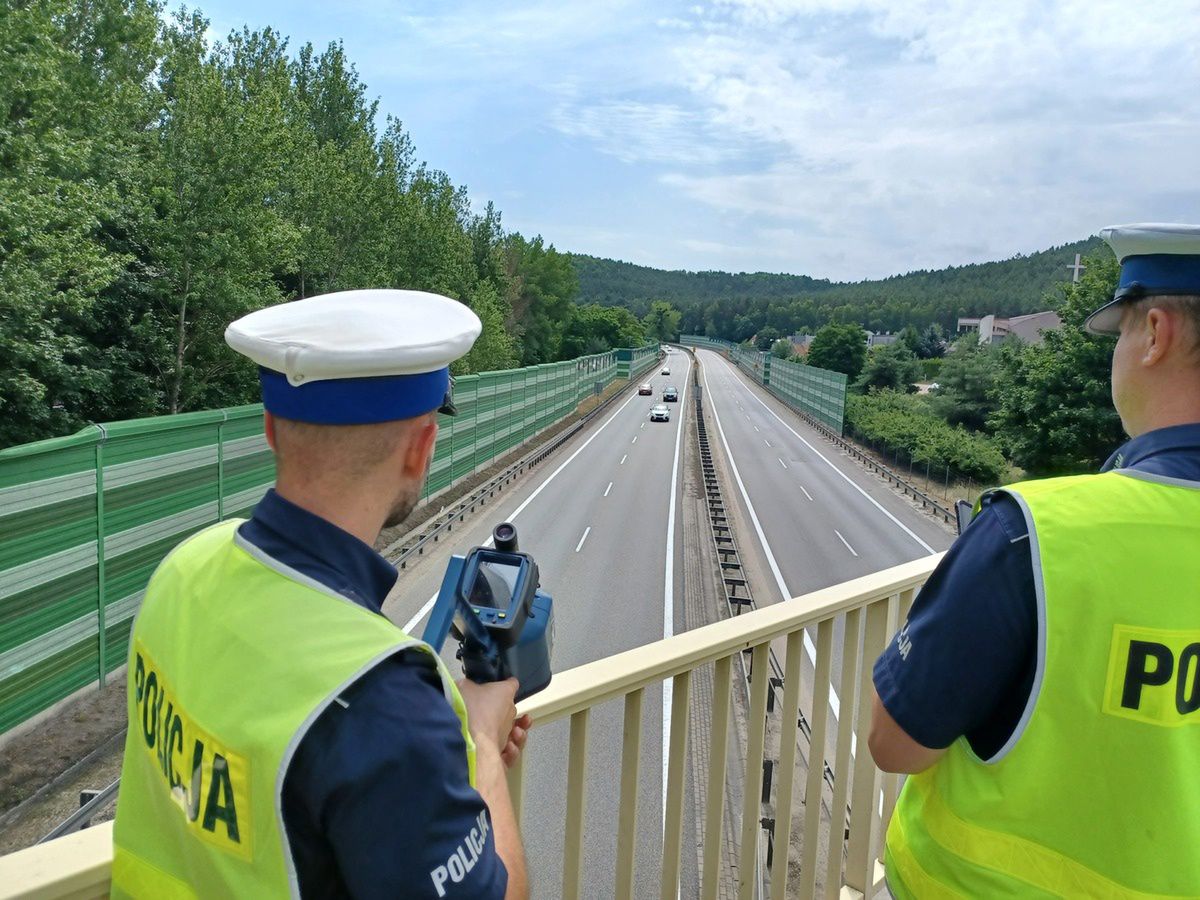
<point x="660" y="413"/>
<point x="666" y="371"/>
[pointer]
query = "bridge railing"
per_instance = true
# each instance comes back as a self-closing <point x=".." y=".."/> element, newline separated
<point x="830" y="639"/>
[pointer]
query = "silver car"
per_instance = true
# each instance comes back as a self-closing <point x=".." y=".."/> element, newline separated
<point x="660" y="413"/>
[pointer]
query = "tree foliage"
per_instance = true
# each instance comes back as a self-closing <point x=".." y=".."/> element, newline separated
<point x="968" y="383"/>
<point x="892" y="367"/>
<point x="661" y="323"/>
<point x="154" y="185"/>
<point x="903" y="425"/>
<point x="842" y="348"/>
<point x="594" y="329"/>
<point x="1053" y="406"/>
<point x="782" y="349"/>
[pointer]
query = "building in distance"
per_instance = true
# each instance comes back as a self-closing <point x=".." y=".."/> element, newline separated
<point x="993" y="329"/>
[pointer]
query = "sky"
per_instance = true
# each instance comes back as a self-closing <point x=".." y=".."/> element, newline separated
<point x="843" y="139"/>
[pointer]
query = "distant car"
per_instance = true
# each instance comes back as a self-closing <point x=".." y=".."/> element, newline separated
<point x="660" y="414"/>
<point x="645" y="390"/>
<point x="671" y="394"/>
<point x="666" y="371"/>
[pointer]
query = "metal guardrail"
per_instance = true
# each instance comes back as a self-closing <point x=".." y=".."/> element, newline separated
<point x="83" y="816"/>
<point x="739" y="596"/>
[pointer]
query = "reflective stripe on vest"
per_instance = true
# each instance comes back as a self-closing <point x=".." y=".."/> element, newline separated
<point x="232" y="658"/>
<point x="1096" y="793"/>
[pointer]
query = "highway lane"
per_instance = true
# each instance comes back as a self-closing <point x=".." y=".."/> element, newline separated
<point x="825" y="519"/>
<point x="597" y="517"/>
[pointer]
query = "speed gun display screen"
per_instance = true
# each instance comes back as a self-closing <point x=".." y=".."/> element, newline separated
<point x="494" y="584"/>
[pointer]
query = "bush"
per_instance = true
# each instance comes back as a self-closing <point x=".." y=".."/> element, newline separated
<point x="903" y="424"/>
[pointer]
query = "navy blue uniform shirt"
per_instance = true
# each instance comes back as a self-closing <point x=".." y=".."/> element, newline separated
<point x="376" y="801"/>
<point x="963" y="664"/>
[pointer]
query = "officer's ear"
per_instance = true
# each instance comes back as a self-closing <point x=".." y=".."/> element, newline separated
<point x="422" y="439"/>
<point x="1161" y="331"/>
<point x="269" y="430"/>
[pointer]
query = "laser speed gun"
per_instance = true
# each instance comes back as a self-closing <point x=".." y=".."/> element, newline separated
<point x="491" y="601"/>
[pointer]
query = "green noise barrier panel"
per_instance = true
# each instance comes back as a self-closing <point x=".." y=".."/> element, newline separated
<point x="86" y="518"/>
<point x="819" y="393"/>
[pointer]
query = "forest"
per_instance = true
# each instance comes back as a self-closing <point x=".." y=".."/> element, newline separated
<point x="737" y="306"/>
<point x="157" y="184"/>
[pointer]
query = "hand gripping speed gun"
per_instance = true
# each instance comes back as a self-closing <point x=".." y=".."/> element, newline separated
<point x="491" y="601"/>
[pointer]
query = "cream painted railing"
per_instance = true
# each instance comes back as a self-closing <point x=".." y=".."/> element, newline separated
<point x="869" y="607"/>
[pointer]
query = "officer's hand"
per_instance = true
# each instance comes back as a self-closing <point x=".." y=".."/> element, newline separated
<point x="516" y="740"/>
<point x="490" y="711"/>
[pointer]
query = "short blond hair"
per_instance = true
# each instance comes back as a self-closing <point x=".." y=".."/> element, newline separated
<point x="341" y="451"/>
<point x="1188" y="305"/>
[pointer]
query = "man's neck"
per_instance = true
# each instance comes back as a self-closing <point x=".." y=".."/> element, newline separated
<point x="357" y="513"/>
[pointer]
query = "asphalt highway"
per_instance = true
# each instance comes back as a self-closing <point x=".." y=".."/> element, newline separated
<point x="600" y="518"/>
<point x="818" y="517"/>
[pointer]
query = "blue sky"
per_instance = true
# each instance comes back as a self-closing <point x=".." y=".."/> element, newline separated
<point x="845" y="139"/>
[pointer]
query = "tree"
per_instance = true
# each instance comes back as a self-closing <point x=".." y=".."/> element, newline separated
<point x="966" y="393"/>
<point x="495" y="348"/>
<point x="1054" y="410"/>
<point x="782" y="349"/>
<point x="933" y="343"/>
<point x="842" y="348"/>
<point x="910" y="338"/>
<point x="596" y="329"/>
<point x="661" y="323"/>
<point x="70" y="87"/>
<point x="544" y="284"/>
<point x="765" y="338"/>
<point x="892" y="367"/>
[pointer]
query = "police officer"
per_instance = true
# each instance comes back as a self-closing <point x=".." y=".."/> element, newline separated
<point x="285" y="738"/>
<point x="1044" y="684"/>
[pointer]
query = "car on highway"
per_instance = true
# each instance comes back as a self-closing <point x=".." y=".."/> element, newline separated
<point x="671" y="394"/>
<point x="666" y="371"/>
<point x="660" y="414"/>
<point x="645" y="390"/>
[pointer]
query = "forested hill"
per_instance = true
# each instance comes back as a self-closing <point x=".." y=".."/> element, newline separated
<point x="713" y="300"/>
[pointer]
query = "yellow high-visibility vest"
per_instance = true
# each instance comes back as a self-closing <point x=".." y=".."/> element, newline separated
<point x="1097" y="793"/>
<point x="231" y="660"/>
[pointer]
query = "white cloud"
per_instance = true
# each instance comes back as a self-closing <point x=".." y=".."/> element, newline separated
<point x="644" y="132"/>
<point x="840" y="138"/>
<point x="922" y="134"/>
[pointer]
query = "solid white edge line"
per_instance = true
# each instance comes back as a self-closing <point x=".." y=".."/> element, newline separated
<point x="846" y="542"/>
<point x="424" y="610"/>
<point x="846" y="477"/>
<point x="588" y="531"/>
<point x="809" y="648"/>
<point x="669" y="595"/>
<point x="607" y="489"/>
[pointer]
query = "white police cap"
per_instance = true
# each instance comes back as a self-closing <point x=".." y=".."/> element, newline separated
<point x="1156" y="259"/>
<point x="356" y="357"/>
